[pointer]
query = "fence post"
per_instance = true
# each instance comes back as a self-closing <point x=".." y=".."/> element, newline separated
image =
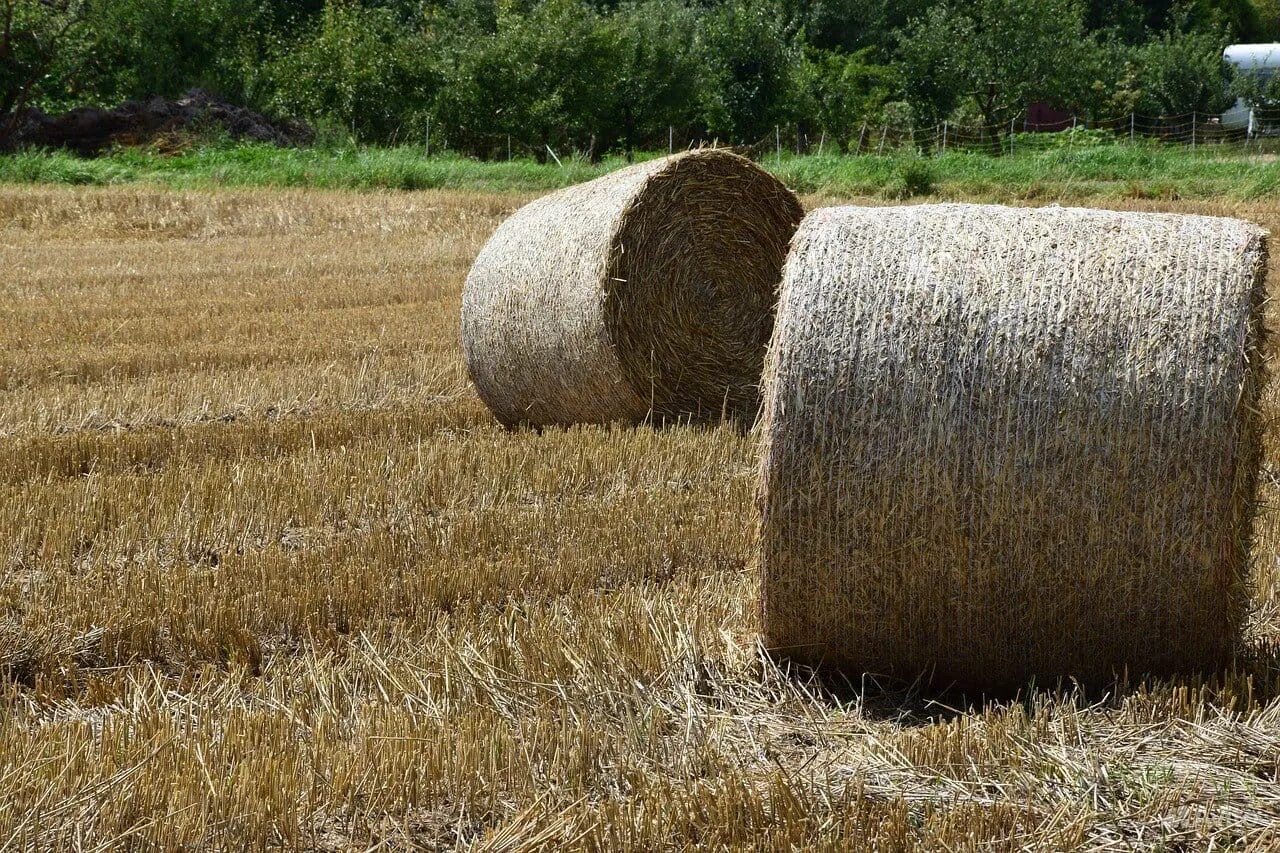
<point x="822" y="140"/>
<point x="777" y="142"/>
<point x="862" y="134"/>
<point x="884" y="131"/>
<point x="428" y="136"/>
<point x="1193" y="130"/>
<point x="671" y="139"/>
<point x="1012" y="125"/>
<point x="1131" y="126"/>
<point x="944" y="137"/>
<point x="508" y="148"/>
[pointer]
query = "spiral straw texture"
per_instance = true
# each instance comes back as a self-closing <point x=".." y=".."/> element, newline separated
<point x="1004" y="444"/>
<point x="649" y="292"/>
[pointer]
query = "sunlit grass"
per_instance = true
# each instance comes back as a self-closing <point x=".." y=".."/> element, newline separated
<point x="1108" y="171"/>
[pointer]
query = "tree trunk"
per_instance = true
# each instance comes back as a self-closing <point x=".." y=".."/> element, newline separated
<point x="629" y="133"/>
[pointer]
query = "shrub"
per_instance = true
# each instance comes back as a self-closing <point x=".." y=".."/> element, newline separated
<point x="914" y="175"/>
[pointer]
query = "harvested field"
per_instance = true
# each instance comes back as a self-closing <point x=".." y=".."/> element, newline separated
<point x="272" y="576"/>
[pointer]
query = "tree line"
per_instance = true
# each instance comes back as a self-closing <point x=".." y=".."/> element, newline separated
<point x="609" y="75"/>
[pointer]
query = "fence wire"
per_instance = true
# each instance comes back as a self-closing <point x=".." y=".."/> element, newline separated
<point x="1245" y="130"/>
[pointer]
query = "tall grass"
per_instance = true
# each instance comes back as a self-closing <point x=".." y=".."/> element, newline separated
<point x="401" y="168"/>
<point x="1116" y="171"/>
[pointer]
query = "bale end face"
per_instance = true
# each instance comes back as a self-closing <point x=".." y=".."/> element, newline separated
<point x="647" y="293"/>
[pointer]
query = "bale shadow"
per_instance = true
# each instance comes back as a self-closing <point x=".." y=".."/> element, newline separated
<point x="1249" y="681"/>
<point x="740" y="425"/>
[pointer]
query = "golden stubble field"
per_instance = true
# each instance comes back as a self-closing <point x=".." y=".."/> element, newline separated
<point x="271" y="576"/>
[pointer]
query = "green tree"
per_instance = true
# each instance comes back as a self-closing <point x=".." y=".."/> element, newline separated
<point x="1239" y="18"/>
<point x="1183" y="72"/>
<point x="851" y="25"/>
<point x="657" y="73"/>
<point x="143" y="48"/>
<point x="754" y="66"/>
<point x="1125" y="20"/>
<point x="1135" y="21"/>
<point x="996" y="57"/>
<point x="360" y="68"/>
<point x="847" y="89"/>
<point x="1110" y="78"/>
<point x="40" y="52"/>
<point x="537" y="77"/>
<point x="1267" y="13"/>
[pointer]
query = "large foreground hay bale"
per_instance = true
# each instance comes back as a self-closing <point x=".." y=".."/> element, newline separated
<point x="1004" y="444"/>
<point x="647" y="292"/>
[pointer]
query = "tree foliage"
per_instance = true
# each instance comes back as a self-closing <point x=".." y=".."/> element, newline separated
<point x="996" y="55"/>
<point x="754" y="67"/>
<point x="659" y="77"/>
<point x="41" y="49"/>
<point x="597" y="75"/>
<point x="143" y="48"/>
<point x="1181" y="73"/>
<point x="358" y="68"/>
<point x="846" y="90"/>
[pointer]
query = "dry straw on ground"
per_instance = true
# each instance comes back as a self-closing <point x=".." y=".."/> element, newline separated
<point x="647" y="292"/>
<point x="272" y="578"/>
<point x="1004" y="444"/>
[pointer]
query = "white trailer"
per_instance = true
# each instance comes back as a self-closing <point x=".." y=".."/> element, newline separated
<point x="1258" y="60"/>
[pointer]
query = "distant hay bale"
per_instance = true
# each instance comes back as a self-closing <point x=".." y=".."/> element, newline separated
<point x="1005" y="444"/>
<point x="648" y="292"/>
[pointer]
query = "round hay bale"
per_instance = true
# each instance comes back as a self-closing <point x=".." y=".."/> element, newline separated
<point x="648" y="292"/>
<point x="1009" y="444"/>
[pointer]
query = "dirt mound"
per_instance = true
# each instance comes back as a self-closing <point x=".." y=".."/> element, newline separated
<point x="90" y="130"/>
